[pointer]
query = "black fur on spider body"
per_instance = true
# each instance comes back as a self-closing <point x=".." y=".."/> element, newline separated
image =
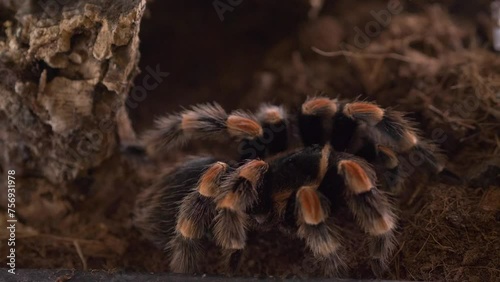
<point x="346" y="145"/>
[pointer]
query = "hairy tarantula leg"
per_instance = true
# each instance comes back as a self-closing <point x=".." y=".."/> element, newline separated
<point x="284" y="200"/>
<point x="392" y="175"/>
<point x="314" y="120"/>
<point x="370" y="206"/>
<point x="157" y="207"/>
<point x="312" y="213"/>
<point x="309" y="210"/>
<point x="196" y="213"/>
<point x="238" y="193"/>
<point x="185" y="253"/>
<point x="318" y="232"/>
<point x="201" y="121"/>
<point x="274" y="122"/>
<point x="390" y="128"/>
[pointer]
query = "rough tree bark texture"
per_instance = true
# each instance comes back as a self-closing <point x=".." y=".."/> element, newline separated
<point x="65" y="70"/>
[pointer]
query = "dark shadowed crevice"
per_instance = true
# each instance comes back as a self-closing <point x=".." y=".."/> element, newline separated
<point x="208" y="59"/>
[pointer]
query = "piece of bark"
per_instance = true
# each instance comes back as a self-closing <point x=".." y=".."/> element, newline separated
<point x="69" y="70"/>
<point x="66" y="68"/>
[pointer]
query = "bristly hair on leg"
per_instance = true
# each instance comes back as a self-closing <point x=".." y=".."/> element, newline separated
<point x="201" y="121"/>
<point x="184" y="254"/>
<point x="274" y="139"/>
<point x="380" y="248"/>
<point x="242" y="125"/>
<point x="311" y="213"/>
<point x="197" y="209"/>
<point x="320" y="106"/>
<point x="195" y="216"/>
<point x="318" y="231"/>
<point x="275" y="123"/>
<point x="157" y="207"/>
<point x="364" y="111"/>
<point x="392" y="129"/>
<point x="230" y="228"/>
<point x="237" y="193"/>
<point x="314" y="120"/>
<point x="391" y="175"/>
<point x="332" y="265"/>
<point x="271" y="114"/>
<point x="371" y="207"/>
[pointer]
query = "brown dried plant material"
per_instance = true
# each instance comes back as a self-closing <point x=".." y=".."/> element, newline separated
<point x="491" y="200"/>
<point x="325" y="33"/>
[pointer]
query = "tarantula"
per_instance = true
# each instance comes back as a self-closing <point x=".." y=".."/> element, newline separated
<point x="345" y="146"/>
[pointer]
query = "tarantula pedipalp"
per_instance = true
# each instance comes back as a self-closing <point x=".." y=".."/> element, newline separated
<point x="345" y="146"/>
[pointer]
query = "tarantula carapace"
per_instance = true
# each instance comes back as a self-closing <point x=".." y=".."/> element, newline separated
<point x="345" y="147"/>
